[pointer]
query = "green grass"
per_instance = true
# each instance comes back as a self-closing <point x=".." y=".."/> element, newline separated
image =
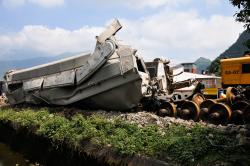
<point x="181" y="144"/>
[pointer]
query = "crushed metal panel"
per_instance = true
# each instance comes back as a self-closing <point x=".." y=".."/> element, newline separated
<point x="126" y="56"/>
<point x="32" y="84"/>
<point x="115" y="100"/>
<point x="125" y="50"/>
<point x="82" y="72"/>
<point x="114" y="56"/>
<point x="127" y="63"/>
<point x="106" y="73"/>
<point x="96" y="60"/>
<point x="60" y="79"/>
<point x="65" y="96"/>
<point x="48" y="68"/>
<point x="111" y="30"/>
<point x="17" y="96"/>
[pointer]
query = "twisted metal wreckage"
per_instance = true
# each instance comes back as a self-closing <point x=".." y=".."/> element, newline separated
<point x="113" y="77"/>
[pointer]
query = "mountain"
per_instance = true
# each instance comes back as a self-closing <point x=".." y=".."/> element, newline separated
<point x="21" y="54"/>
<point x="11" y="63"/>
<point x="202" y="64"/>
<point x="236" y="50"/>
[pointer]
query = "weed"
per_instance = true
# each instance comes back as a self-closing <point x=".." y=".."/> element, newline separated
<point x="182" y="144"/>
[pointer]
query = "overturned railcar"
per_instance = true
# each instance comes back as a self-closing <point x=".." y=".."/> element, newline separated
<point x="112" y="77"/>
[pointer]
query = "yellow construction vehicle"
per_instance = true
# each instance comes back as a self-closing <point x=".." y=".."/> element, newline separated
<point x="235" y="72"/>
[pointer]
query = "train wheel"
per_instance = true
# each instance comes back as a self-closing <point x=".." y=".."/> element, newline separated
<point x="238" y="109"/>
<point x="189" y="110"/>
<point x="219" y="113"/>
<point x="204" y="107"/>
<point x="167" y="109"/>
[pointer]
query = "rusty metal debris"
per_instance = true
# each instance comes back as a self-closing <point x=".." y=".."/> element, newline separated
<point x="231" y="109"/>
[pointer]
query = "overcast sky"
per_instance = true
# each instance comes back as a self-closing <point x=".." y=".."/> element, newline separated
<point x="180" y="30"/>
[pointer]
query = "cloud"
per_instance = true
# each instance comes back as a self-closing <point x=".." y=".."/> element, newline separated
<point x="181" y="35"/>
<point x="213" y="2"/>
<point x="153" y="4"/>
<point x="43" y="3"/>
<point x="141" y="4"/>
<point x="53" y="41"/>
<point x="12" y="3"/>
<point x="48" y="3"/>
<point x="176" y="35"/>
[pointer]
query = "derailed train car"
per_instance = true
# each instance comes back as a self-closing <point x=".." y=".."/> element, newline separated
<point x="112" y="77"/>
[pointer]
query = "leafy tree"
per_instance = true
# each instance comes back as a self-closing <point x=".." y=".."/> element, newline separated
<point x="215" y="67"/>
<point x="247" y="43"/>
<point x="243" y="15"/>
